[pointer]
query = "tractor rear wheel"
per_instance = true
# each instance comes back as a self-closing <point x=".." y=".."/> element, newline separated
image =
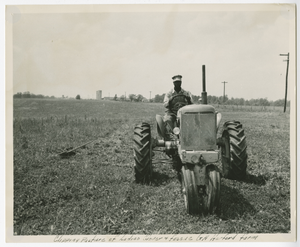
<point x="234" y="151"/>
<point x="142" y="153"/>
<point x="190" y="190"/>
<point x="211" y="194"/>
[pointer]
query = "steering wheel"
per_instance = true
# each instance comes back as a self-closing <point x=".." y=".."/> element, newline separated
<point x="180" y="103"/>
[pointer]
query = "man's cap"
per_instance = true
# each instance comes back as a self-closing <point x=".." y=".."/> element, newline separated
<point x="176" y="78"/>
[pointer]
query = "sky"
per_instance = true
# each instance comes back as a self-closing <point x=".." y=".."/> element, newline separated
<point x="59" y="53"/>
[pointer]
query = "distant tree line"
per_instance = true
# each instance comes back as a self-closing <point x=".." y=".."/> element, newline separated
<point x="232" y="101"/>
<point x="160" y="98"/>
<point x="27" y="94"/>
<point x="31" y="95"/>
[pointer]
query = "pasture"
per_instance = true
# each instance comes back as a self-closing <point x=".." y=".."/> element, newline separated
<point x="93" y="191"/>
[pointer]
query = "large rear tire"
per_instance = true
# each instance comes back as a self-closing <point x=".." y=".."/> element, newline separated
<point x="142" y="153"/>
<point x="211" y="197"/>
<point x="234" y="151"/>
<point x="190" y="190"/>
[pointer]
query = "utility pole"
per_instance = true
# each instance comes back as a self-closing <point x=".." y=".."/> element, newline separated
<point x="150" y="97"/>
<point x="224" y="91"/>
<point x="286" y="78"/>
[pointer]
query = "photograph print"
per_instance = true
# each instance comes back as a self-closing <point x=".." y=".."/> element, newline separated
<point x="150" y="122"/>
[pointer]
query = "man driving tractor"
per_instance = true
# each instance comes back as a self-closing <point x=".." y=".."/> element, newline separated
<point x="173" y="101"/>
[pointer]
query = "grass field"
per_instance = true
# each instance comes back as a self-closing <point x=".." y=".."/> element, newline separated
<point x="93" y="191"/>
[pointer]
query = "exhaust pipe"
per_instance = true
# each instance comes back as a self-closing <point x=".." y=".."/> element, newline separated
<point x="203" y="94"/>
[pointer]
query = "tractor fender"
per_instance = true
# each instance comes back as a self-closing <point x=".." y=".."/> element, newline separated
<point x="160" y="126"/>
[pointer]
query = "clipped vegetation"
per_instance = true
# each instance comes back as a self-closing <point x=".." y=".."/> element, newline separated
<point x="92" y="191"/>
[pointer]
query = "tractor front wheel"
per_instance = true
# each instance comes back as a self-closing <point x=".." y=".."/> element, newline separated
<point x="142" y="153"/>
<point x="211" y="194"/>
<point x="203" y="198"/>
<point x="190" y="190"/>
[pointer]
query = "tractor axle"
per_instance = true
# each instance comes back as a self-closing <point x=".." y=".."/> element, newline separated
<point x="168" y="145"/>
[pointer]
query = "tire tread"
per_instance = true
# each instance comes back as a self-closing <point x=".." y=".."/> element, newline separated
<point x="237" y="164"/>
<point x="142" y="153"/>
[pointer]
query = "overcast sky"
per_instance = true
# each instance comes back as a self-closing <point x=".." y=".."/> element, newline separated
<point x="138" y="52"/>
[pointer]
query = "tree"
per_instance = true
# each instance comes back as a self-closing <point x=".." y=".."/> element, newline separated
<point x="139" y="98"/>
<point x="78" y="96"/>
<point x="40" y="96"/>
<point x="18" y="95"/>
<point x="132" y="97"/>
<point x="196" y="98"/>
<point x="26" y="95"/>
<point x="210" y="99"/>
<point x="279" y="102"/>
<point x="264" y="102"/>
<point x="240" y="101"/>
<point x="156" y="98"/>
<point x="221" y="99"/>
<point x="159" y="98"/>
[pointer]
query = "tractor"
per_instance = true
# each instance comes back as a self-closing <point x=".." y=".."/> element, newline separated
<point x="194" y="150"/>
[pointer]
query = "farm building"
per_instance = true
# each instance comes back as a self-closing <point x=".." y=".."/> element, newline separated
<point x="108" y="98"/>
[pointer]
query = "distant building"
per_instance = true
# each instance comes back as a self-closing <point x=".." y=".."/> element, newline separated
<point x="108" y="98"/>
<point x="99" y="95"/>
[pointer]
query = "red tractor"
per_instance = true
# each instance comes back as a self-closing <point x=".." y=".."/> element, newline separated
<point x="194" y="149"/>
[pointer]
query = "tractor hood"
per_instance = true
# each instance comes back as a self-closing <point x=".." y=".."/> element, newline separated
<point x="198" y="127"/>
<point x="196" y="109"/>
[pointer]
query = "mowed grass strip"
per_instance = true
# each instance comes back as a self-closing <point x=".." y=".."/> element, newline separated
<point x="93" y="191"/>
